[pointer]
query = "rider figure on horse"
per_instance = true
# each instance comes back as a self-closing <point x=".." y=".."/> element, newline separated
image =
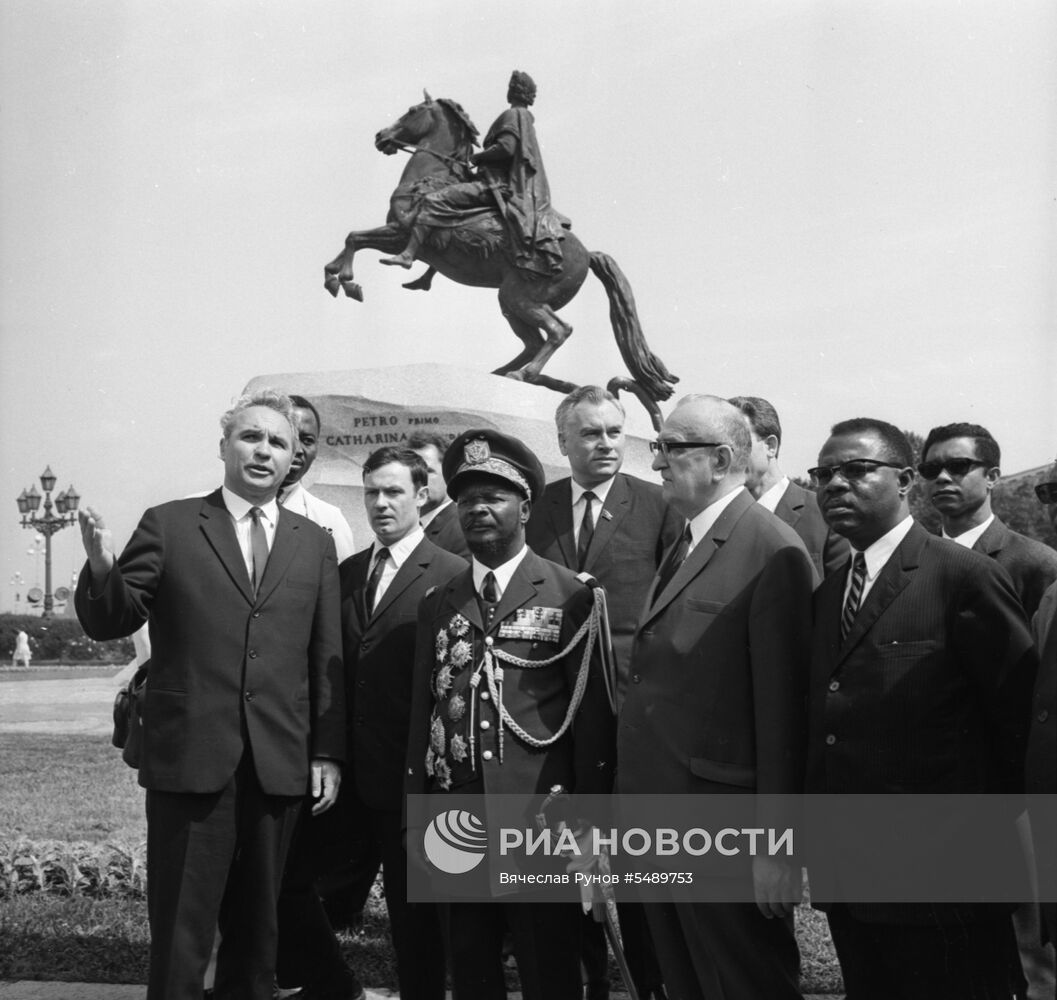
<point x="511" y="179"/>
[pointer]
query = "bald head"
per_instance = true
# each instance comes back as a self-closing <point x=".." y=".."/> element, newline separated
<point x="705" y="455"/>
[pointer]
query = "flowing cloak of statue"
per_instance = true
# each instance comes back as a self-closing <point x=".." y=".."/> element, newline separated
<point x="517" y="187"/>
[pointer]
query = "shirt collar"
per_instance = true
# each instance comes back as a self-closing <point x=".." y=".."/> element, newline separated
<point x="601" y="490"/>
<point x="702" y="523"/>
<point x="399" y="551"/>
<point x="239" y="508"/>
<point x="769" y="499"/>
<point x="428" y="517"/>
<point x="502" y="573"/>
<point x="881" y="551"/>
<point x="972" y="536"/>
<point x="288" y="495"/>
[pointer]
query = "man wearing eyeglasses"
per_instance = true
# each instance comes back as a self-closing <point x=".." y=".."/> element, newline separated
<point x="921" y="677"/>
<point x="960" y="467"/>
<point x="715" y="700"/>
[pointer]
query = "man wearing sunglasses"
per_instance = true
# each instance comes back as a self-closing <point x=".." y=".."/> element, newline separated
<point x="921" y="678"/>
<point x="960" y="469"/>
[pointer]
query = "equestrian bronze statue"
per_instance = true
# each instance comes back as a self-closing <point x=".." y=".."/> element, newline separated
<point x="494" y="227"/>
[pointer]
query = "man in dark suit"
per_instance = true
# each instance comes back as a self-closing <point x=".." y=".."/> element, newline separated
<point x="439" y="517"/>
<point x="960" y="464"/>
<point x="1041" y="767"/>
<point x="615" y="527"/>
<point x="779" y="494"/>
<point x="244" y="705"/>
<point x="381" y="588"/>
<point x="715" y="702"/>
<point x="922" y="669"/>
<point x="476" y="730"/>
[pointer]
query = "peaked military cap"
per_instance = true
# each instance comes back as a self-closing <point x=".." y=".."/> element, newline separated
<point x="487" y="452"/>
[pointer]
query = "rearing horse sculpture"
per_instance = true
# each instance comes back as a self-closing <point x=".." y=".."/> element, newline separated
<point x="441" y="137"/>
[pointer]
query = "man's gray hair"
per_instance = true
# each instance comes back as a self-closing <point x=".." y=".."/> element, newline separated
<point x="271" y="398"/>
<point x="730" y="423"/>
<point x="593" y="394"/>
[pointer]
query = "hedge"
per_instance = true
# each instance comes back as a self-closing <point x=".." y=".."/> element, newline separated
<point x="60" y="639"/>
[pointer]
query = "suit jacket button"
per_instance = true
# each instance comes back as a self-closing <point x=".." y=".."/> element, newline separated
<point x="830" y="739"/>
<point x="487" y="755"/>
<point x="834" y="685"/>
<point x="253" y="654"/>
<point x="1043" y="715"/>
<point x="484" y="696"/>
<point x="364" y="646"/>
<point x="485" y="724"/>
<point x="248" y="696"/>
<point x="636" y="679"/>
<point x="256" y="614"/>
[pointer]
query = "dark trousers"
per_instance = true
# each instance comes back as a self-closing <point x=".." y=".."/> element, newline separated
<point x="215" y="859"/>
<point x="309" y="952"/>
<point x="950" y="961"/>
<point x="724" y="951"/>
<point x="546" y="946"/>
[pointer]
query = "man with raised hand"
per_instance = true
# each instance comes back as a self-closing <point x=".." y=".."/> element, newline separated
<point x="244" y="707"/>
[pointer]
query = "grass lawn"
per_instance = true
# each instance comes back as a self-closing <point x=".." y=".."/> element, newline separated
<point x="76" y="789"/>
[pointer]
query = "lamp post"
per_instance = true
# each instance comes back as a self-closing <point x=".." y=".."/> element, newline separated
<point x="16" y="582"/>
<point x="65" y="506"/>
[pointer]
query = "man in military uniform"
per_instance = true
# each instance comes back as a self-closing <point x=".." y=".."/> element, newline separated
<point x="511" y="179"/>
<point x="495" y="704"/>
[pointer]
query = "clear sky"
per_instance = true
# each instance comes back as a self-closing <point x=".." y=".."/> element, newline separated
<point x="848" y="208"/>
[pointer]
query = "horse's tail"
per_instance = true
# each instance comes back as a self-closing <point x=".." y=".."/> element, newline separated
<point x="646" y="368"/>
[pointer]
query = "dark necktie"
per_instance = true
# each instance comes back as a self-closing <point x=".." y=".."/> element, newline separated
<point x="675" y="559"/>
<point x="851" y="605"/>
<point x="489" y="597"/>
<point x="374" y="579"/>
<point x="258" y="548"/>
<point x="587" y="531"/>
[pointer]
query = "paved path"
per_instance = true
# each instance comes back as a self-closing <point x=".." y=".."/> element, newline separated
<point x="102" y="991"/>
<point x="62" y="705"/>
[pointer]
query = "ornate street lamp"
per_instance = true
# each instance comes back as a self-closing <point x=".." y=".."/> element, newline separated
<point x="65" y="505"/>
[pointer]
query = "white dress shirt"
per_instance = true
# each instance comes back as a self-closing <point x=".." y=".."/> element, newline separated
<point x="972" y="536"/>
<point x="239" y="510"/>
<point x="601" y="491"/>
<point x="502" y="573"/>
<point x="398" y="553"/>
<point x="876" y="556"/>
<point x="326" y="515"/>
<point x="769" y="499"/>
<point x="700" y="525"/>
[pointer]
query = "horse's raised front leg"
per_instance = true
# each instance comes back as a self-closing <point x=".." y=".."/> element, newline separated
<point x="338" y="273"/>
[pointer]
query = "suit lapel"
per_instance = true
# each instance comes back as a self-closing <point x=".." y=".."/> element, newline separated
<point x="993" y="539"/>
<point x="892" y="580"/>
<point x="520" y="590"/>
<point x="560" y="516"/>
<point x="413" y="567"/>
<point x="615" y="509"/>
<point x="284" y="545"/>
<point x="361" y="563"/>
<point x="703" y="552"/>
<point x="829" y="603"/>
<point x="219" y="530"/>
<point x="790" y="505"/>
<point x="463" y="598"/>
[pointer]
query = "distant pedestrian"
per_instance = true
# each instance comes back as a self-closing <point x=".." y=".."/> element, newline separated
<point x="22" y="650"/>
